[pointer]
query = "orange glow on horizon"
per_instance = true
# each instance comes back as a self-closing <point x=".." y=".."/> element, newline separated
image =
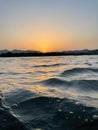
<point x="47" y="42"/>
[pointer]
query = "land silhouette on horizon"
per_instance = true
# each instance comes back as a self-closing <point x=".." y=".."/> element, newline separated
<point x="27" y="53"/>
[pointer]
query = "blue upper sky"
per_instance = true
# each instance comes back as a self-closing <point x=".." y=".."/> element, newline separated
<point x="48" y="24"/>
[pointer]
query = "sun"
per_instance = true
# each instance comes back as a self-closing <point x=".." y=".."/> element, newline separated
<point x="44" y="43"/>
<point x="44" y="46"/>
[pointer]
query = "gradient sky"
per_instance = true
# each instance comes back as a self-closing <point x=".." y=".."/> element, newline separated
<point x="49" y="25"/>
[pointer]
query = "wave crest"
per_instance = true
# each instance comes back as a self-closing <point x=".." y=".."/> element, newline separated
<point x="74" y="71"/>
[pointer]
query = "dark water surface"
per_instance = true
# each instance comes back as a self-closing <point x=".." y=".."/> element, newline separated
<point x="49" y="93"/>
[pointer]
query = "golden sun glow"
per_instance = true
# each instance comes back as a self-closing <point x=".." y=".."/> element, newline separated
<point x="45" y="42"/>
<point x="44" y="45"/>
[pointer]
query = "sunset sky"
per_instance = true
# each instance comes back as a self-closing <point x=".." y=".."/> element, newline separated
<point x="48" y="25"/>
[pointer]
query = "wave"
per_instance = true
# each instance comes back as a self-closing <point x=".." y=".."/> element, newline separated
<point x="49" y="65"/>
<point x="16" y="73"/>
<point x="80" y="84"/>
<point x="23" y="94"/>
<point x="53" y="82"/>
<point x="89" y="64"/>
<point x="1" y="73"/>
<point x="74" y="71"/>
<point x="11" y="73"/>
<point x="44" y="112"/>
<point x="85" y="85"/>
<point x="8" y="121"/>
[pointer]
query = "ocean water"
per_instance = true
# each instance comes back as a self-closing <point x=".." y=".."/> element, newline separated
<point x="49" y="93"/>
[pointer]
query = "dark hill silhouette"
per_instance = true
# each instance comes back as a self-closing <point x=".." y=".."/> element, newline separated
<point x="27" y="53"/>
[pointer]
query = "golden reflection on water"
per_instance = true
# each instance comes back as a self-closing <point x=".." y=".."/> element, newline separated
<point x="38" y="89"/>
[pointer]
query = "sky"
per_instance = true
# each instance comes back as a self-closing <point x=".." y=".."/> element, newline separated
<point x="48" y="25"/>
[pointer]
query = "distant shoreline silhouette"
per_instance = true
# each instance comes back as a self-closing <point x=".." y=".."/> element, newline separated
<point x="28" y="53"/>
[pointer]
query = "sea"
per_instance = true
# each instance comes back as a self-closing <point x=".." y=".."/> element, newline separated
<point x="49" y="93"/>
